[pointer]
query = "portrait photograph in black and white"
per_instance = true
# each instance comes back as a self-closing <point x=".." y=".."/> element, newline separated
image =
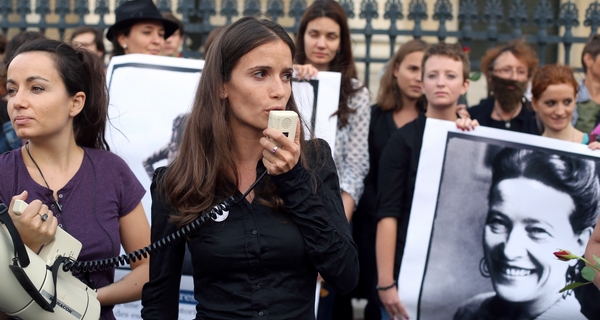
<point x="487" y="215"/>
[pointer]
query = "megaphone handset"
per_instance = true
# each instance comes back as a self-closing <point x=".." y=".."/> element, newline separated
<point x="35" y="222"/>
<point x="63" y="244"/>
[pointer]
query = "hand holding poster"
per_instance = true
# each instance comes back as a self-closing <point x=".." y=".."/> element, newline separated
<point x="490" y="208"/>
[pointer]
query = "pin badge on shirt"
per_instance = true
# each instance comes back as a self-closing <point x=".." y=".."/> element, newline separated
<point x="221" y="217"/>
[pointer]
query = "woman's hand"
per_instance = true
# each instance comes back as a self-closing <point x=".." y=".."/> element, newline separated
<point x="280" y="154"/>
<point x="461" y="111"/>
<point x="305" y="71"/>
<point x="33" y="229"/>
<point x="594" y="145"/>
<point x="391" y="302"/>
<point x="466" y="124"/>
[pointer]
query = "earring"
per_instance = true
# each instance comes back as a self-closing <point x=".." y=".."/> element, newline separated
<point x="125" y="47"/>
<point x="483" y="268"/>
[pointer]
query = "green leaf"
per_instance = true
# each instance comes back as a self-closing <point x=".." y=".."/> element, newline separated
<point x="475" y="76"/>
<point x="596" y="259"/>
<point x="573" y="285"/>
<point x="588" y="273"/>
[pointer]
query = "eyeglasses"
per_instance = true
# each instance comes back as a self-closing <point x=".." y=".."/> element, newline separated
<point x="508" y="72"/>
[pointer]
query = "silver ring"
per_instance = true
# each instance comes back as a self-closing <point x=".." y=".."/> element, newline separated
<point x="274" y="149"/>
<point x="44" y="216"/>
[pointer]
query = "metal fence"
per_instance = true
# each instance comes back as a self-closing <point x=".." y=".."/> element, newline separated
<point x="492" y="21"/>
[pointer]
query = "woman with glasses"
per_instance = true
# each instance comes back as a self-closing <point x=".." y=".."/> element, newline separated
<point x="508" y="70"/>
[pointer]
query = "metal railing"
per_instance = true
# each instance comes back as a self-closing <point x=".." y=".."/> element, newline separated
<point x="480" y="20"/>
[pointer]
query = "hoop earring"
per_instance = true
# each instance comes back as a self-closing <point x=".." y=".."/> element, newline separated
<point x="483" y="268"/>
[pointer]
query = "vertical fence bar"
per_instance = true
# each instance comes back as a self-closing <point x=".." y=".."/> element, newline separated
<point x="187" y="9"/>
<point x="517" y="17"/>
<point x="468" y="14"/>
<point x="442" y="12"/>
<point x="101" y="9"/>
<point x="251" y="8"/>
<point x="493" y="13"/>
<point x="81" y="9"/>
<point x="369" y="12"/>
<point x="275" y="9"/>
<point x="393" y="12"/>
<point x="42" y="8"/>
<point x="417" y="11"/>
<point x="6" y="9"/>
<point x="543" y="17"/>
<point x="206" y="9"/>
<point x="592" y="17"/>
<point x="229" y="10"/>
<point x="23" y="9"/>
<point x="297" y="8"/>
<point x="63" y="7"/>
<point x="567" y="17"/>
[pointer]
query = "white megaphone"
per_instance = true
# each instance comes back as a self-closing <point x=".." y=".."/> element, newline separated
<point x="35" y="287"/>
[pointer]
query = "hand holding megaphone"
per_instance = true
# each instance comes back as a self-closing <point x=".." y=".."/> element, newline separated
<point x="35" y="222"/>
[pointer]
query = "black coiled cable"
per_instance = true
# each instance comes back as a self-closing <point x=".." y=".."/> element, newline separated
<point x="115" y="262"/>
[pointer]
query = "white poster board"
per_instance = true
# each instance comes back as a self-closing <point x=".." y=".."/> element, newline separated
<point x="440" y="271"/>
<point x="317" y="100"/>
<point x="148" y="92"/>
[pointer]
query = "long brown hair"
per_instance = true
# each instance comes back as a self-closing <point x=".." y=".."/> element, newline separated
<point x="205" y="171"/>
<point x="343" y="61"/>
<point x="390" y="96"/>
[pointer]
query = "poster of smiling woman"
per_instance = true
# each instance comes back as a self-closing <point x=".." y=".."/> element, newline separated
<point x="490" y="208"/>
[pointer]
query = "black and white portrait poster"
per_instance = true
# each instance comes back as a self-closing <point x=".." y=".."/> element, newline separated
<point x="146" y="94"/>
<point x="490" y="207"/>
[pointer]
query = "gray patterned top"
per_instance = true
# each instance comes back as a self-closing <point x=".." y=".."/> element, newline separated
<point x="351" y="152"/>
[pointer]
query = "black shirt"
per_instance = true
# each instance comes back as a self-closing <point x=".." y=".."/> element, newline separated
<point x="260" y="263"/>
<point x="381" y="128"/>
<point x="524" y="122"/>
<point x="397" y="177"/>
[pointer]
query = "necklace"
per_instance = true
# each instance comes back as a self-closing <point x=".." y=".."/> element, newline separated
<point x="58" y="206"/>
<point x="506" y="122"/>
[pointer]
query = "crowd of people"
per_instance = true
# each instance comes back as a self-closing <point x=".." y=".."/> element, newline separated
<point x="297" y="211"/>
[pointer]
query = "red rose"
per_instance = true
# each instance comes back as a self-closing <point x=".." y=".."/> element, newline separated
<point x="565" y="255"/>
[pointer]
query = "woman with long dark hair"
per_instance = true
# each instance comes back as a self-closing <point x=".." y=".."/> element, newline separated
<point x="323" y="44"/>
<point x="57" y="101"/>
<point x="263" y="257"/>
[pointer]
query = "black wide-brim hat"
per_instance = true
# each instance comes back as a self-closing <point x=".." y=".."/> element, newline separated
<point x="133" y="11"/>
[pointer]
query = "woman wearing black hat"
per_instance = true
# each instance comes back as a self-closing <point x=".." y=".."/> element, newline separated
<point x="139" y="28"/>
